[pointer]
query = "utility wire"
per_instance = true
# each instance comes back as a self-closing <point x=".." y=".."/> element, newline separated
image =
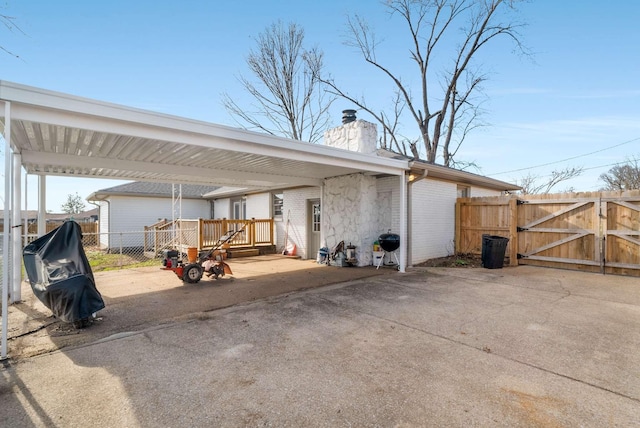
<point x="592" y="167"/>
<point x="567" y="159"/>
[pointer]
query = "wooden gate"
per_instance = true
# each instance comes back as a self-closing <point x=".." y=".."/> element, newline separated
<point x="557" y="232"/>
<point x="622" y="235"/>
<point x="598" y="232"/>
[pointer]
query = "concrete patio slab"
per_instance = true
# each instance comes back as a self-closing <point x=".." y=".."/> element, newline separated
<point x="518" y="346"/>
<point x="142" y="297"/>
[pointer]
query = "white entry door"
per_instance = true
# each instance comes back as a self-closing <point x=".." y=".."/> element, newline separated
<point x="313" y="226"/>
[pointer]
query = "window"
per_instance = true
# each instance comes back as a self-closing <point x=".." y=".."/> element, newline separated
<point x="464" y="191"/>
<point x="278" y="199"/>
<point x="315" y="221"/>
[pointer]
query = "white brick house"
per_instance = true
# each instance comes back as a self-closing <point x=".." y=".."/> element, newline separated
<point x="357" y="208"/>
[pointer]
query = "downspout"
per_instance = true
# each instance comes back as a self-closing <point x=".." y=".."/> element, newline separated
<point x="410" y="183"/>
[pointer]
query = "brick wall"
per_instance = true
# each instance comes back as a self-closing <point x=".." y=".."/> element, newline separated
<point x="388" y="205"/>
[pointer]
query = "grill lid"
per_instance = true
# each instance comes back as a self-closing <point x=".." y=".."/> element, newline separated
<point x="389" y="241"/>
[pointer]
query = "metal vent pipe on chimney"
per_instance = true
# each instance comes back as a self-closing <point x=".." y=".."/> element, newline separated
<point x="348" y="116"/>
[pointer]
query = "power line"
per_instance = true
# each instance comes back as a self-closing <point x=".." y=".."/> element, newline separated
<point x="604" y="166"/>
<point x="591" y="167"/>
<point x="567" y="159"/>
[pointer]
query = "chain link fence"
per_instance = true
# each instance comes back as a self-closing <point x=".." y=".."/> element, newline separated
<point x="123" y="250"/>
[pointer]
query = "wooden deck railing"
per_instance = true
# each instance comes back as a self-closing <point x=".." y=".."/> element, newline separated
<point x="256" y="232"/>
<point x="157" y="236"/>
<point x="206" y="233"/>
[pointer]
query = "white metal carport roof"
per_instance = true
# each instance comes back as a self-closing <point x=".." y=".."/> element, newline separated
<point x="51" y="133"/>
<point x="60" y="134"/>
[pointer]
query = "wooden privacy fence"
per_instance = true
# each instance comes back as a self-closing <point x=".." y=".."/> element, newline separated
<point x="89" y="231"/>
<point x="593" y="231"/>
<point x="87" y="227"/>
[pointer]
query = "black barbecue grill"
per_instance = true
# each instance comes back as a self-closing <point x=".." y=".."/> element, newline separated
<point x="389" y="242"/>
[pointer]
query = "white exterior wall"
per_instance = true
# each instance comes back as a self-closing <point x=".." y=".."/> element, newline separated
<point x="388" y="211"/>
<point x="479" y="192"/>
<point x="279" y="232"/>
<point x="132" y="214"/>
<point x="433" y="219"/>
<point x="388" y="203"/>
<point x="432" y="213"/>
<point x="103" y="224"/>
<point x="294" y="208"/>
<point x="259" y="206"/>
<point x="350" y="214"/>
<point x="221" y="208"/>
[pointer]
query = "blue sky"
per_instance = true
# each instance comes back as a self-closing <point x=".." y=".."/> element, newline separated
<point x="577" y="97"/>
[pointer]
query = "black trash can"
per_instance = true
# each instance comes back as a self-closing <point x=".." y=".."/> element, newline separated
<point x="493" y="249"/>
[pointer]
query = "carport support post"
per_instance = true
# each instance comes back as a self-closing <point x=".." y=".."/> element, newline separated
<point x="16" y="235"/>
<point x="513" y="231"/>
<point x="42" y="205"/>
<point x="7" y="228"/>
<point x="322" y="223"/>
<point x="403" y="221"/>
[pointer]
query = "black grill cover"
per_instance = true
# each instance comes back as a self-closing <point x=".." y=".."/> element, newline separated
<point x="60" y="275"/>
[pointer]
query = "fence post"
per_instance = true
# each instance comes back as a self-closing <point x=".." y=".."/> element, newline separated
<point x="120" y="259"/>
<point x="272" y="231"/>
<point x="253" y="231"/>
<point x="513" y="231"/>
<point x="600" y="233"/>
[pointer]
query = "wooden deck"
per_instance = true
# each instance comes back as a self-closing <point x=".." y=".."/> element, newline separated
<point x="203" y="234"/>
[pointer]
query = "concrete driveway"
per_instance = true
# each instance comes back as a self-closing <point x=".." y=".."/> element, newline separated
<point x="139" y="298"/>
<point x="521" y="346"/>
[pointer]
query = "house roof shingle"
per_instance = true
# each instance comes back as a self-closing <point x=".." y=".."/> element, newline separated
<point x="151" y="189"/>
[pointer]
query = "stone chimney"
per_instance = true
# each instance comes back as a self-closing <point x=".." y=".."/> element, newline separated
<point x="354" y="134"/>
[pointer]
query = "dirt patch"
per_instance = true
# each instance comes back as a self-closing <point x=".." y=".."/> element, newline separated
<point x="455" y="261"/>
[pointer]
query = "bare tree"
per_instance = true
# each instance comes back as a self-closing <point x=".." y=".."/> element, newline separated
<point x="287" y="95"/>
<point x="623" y="177"/>
<point x="534" y="184"/>
<point x="447" y="114"/>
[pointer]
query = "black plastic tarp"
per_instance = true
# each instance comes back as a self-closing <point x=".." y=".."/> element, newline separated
<point x="60" y="275"/>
